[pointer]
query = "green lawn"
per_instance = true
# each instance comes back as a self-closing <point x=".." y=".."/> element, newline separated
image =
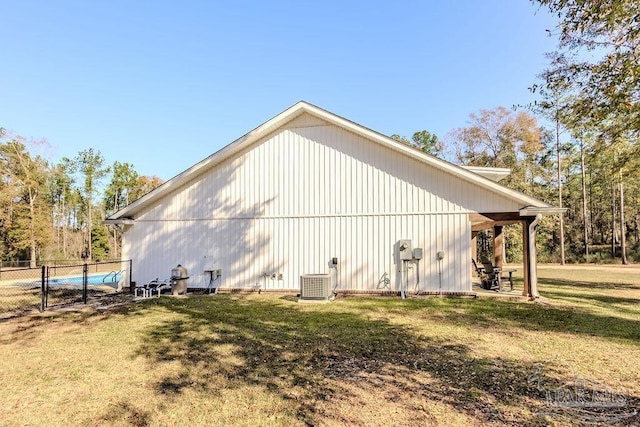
<point x="268" y="360"/>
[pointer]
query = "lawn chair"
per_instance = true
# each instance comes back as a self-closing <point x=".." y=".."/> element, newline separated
<point x="491" y="277"/>
<point x="153" y="285"/>
<point x="479" y="270"/>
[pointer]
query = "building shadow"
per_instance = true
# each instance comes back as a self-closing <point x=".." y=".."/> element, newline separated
<point x="311" y="358"/>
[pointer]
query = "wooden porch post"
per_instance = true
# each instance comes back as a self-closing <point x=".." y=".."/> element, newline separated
<point x="498" y="246"/>
<point x="474" y="250"/>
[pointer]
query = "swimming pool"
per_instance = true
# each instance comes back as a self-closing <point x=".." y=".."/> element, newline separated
<point x="96" y="279"/>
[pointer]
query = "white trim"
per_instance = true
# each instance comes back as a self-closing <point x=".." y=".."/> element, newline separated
<point x="118" y="221"/>
<point x="494" y="174"/>
<point x="533" y="211"/>
<point x="348" y="215"/>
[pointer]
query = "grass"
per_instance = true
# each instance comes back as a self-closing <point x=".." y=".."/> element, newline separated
<point x="17" y="300"/>
<point x="267" y="360"/>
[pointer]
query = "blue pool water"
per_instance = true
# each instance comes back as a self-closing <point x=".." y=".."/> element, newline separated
<point x="91" y="280"/>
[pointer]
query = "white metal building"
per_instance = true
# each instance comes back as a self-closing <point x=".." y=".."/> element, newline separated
<point x="308" y="186"/>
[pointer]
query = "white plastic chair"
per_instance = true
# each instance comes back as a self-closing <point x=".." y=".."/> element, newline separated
<point x="153" y="285"/>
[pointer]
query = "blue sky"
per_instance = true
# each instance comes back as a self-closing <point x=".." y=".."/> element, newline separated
<point x="163" y="84"/>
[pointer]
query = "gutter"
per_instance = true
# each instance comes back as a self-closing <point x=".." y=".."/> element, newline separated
<point x="533" y="272"/>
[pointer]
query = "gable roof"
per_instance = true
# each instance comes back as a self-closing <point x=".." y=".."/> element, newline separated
<point x="130" y="211"/>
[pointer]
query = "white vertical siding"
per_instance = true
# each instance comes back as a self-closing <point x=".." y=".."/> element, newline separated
<point x="246" y="249"/>
<point x="302" y="195"/>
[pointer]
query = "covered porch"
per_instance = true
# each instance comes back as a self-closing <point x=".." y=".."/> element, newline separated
<point x="529" y="218"/>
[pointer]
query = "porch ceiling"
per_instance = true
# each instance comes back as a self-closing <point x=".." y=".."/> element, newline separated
<point x="484" y="221"/>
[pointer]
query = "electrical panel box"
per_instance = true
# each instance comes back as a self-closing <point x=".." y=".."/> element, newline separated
<point x="404" y="250"/>
<point x="417" y="253"/>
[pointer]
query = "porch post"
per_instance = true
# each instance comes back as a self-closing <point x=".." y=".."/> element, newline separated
<point x="498" y="246"/>
<point x="474" y="249"/>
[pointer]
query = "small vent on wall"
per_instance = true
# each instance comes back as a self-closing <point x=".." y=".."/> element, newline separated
<point x="315" y="286"/>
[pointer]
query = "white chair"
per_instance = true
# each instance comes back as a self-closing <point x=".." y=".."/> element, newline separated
<point x="153" y="285"/>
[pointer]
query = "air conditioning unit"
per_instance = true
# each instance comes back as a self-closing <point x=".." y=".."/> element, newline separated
<point x="315" y="286"/>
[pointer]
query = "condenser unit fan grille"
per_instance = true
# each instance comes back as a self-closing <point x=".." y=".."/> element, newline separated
<point x="315" y="286"/>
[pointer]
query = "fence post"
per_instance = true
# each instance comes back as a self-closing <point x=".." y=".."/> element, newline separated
<point x="84" y="283"/>
<point x="42" y="291"/>
<point x="47" y="275"/>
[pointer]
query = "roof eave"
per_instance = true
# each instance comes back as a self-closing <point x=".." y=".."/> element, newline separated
<point x="536" y="210"/>
<point x="118" y="221"/>
<point x="494" y="174"/>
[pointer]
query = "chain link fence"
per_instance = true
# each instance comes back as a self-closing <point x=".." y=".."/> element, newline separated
<point x="21" y="289"/>
<point x="25" y="289"/>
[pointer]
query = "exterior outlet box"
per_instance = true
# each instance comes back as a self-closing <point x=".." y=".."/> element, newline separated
<point x="417" y="253"/>
<point x="404" y="250"/>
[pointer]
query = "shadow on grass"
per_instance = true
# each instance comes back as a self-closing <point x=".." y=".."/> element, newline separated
<point x="312" y="357"/>
<point x="537" y="317"/>
<point x="582" y="284"/>
<point x="495" y="314"/>
<point x="619" y="304"/>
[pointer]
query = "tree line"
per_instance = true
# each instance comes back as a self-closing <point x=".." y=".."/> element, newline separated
<point x="54" y="211"/>
<point x="594" y="179"/>
<point x="587" y="157"/>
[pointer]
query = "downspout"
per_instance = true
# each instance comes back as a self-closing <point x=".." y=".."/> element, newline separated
<point x="533" y="258"/>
